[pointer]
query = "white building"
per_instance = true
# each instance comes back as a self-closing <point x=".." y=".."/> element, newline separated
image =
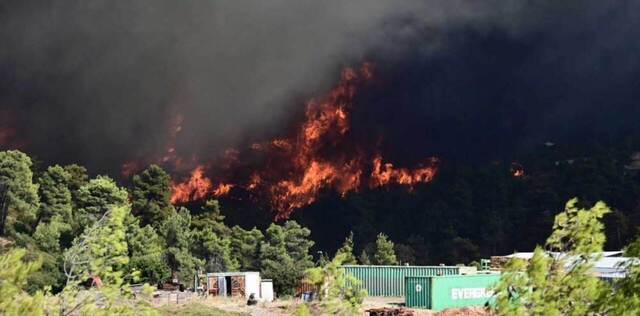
<point x="239" y="284"/>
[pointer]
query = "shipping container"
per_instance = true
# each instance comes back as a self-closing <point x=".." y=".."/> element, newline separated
<point x="442" y="292"/>
<point x="389" y="280"/>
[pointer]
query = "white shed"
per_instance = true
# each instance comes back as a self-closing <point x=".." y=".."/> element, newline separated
<point x="234" y="284"/>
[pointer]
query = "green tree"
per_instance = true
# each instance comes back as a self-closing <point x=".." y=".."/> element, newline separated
<point x="14" y="273"/>
<point x="48" y="236"/>
<point x="178" y="238"/>
<point x="96" y="198"/>
<point x="101" y="251"/>
<point x="55" y="196"/>
<point x="146" y="252"/>
<point x="151" y="196"/>
<point x="214" y="250"/>
<point x="622" y="298"/>
<point x="78" y="177"/>
<point x="339" y="293"/>
<point x="364" y="258"/>
<point x="384" y="254"/>
<point x="284" y="256"/>
<point x="211" y="217"/>
<point x="245" y="247"/>
<point x="21" y="193"/>
<point x="347" y="251"/>
<point x="559" y="284"/>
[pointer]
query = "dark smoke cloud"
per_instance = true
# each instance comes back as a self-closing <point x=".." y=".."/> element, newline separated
<point x="97" y="81"/>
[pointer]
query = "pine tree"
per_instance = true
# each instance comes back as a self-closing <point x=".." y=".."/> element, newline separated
<point x="284" y="256"/>
<point x="558" y="284"/>
<point x="385" y="254"/>
<point x="339" y="293"/>
<point x="347" y="251"/>
<point x="21" y="193"/>
<point x="14" y="273"/>
<point x="245" y="245"/>
<point x="214" y="249"/>
<point x="178" y="238"/>
<point x="151" y="196"/>
<point x="55" y="196"/>
<point x="364" y="258"/>
<point x="96" y="198"/>
<point x="211" y="217"/>
<point x="146" y="252"/>
<point x="78" y="177"/>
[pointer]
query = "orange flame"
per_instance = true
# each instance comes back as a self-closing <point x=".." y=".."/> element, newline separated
<point x="298" y="168"/>
<point x="384" y="174"/>
<point x="196" y="188"/>
<point x="222" y="189"/>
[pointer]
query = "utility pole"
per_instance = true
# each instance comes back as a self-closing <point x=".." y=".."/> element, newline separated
<point x="4" y="206"/>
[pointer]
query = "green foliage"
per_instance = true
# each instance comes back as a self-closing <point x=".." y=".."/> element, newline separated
<point x="101" y="250"/>
<point x="622" y="298"/>
<point x="78" y="177"/>
<point x="22" y="194"/>
<point x="146" y="250"/>
<point x="559" y="284"/>
<point x="364" y="258"/>
<point x="151" y="196"/>
<point x="347" y="250"/>
<point x="178" y="239"/>
<point x="384" y="253"/>
<point x="48" y="235"/>
<point x="211" y="217"/>
<point x="245" y="247"/>
<point x="55" y="196"/>
<point x="50" y="275"/>
<point x="284" y="256"/>
<point x="339" y="293"/>
<point x="215" y="250"/>
<point x="96" y="198"/>
<point x="303" y="310"/>
<point x="13" y="275"/>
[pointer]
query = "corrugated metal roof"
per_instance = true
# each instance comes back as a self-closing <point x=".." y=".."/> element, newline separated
<point x="529" y="255"/>
<point x="610" y="264"/>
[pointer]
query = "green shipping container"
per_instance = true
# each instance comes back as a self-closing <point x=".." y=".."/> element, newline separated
<point x="442" y="292"/>
<point x="389" y="280"/>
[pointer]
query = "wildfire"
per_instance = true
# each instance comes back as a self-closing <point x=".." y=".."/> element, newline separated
<point x="196" y="188"/>
<point x="384" y="174"/>
<point x="317" y="156"/>
<point x="517" y="169"/>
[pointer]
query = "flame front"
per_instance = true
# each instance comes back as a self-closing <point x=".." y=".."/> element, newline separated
<point x="294" y="170"/>
<point x="196" y="188"/>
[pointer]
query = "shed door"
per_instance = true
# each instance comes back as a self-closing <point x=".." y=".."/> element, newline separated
<point x="222" y="286"/>
<point x="238" y="287"/>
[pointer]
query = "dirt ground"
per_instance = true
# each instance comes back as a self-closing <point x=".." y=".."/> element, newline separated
<point x="289" y="306"/>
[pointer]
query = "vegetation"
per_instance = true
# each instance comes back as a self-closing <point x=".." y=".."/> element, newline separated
<point x="195" y="310"/>
<point x="347" y="251"/>
<point x="63" y="228"/>
<point x="338" y="293"/>
<point x="384" y="253"/>
<point x="557" y="280"/>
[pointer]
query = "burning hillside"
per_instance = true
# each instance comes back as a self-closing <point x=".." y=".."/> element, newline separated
<point x="289" y="173"/>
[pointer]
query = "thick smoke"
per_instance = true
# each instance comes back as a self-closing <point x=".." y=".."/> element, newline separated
<point x="98" y="82"/>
